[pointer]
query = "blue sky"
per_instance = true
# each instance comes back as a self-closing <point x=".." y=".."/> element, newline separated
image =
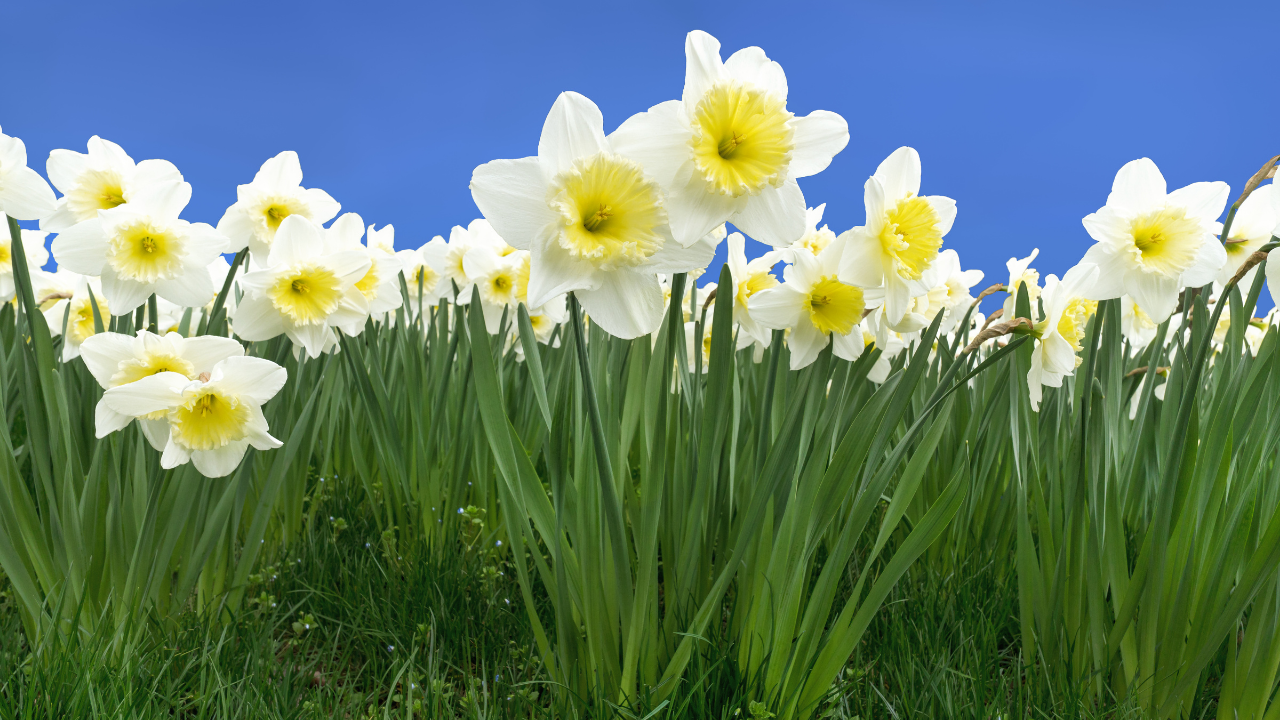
<point x="1022" y="112"/>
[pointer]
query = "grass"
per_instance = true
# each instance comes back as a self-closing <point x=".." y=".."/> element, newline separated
<point x="354" y="624"/>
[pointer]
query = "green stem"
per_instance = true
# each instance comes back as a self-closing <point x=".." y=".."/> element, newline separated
<point x="153" y="315"/>
<point x="215" y="314"/>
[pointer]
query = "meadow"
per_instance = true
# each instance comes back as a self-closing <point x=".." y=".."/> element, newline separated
<point x="538" y="471"/>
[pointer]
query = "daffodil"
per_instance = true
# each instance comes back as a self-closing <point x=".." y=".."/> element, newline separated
<point x="143" y="247"/>
<point x="1254" y="224"/>
<point x="1136" y="326"/>
<point x="729" y="149"/>
<point x="300" y="290"/>
<point x="261" y="206"/>
<point x="24" y="195"/>
<point x="76" y="311"/>
<point x="377" y="292"/>
<point x="898" y="245"/>
<point x="750" y="277"/>
<point x="212" y="419"/>
<point x="478" y="233"/>
<point x="502" y="280"/>
<point x="32" y="246"/>
<point x="875" y="333"/>
<point x="592" y="219"/>
<point x="1152" y="243"/>
<point x="1060" y="335"/>
<point x="1021" y="275"/>
<point x="102" y="179"/>
<point x="958" y="285"/>
<point x="115" y="359"/>
<point x="816" y="306"/>
<point x="424" y="273"/>
<point x="815" y="239"/>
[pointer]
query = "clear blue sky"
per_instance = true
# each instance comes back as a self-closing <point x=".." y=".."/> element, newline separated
<point x="1021" y="111"/>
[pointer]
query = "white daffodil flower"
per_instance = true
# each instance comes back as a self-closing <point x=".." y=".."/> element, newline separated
<point x="24" y="195"/>
<point x="77" y="313"/>
<point x="143" y="248"/>
<point x="1021" y="274"/>
<point x="815" y="239"/>
<point x="729" y="150"/>
<point x="32" y="246"/>
<point x="1254" y="224"/>
<point x="703" y="251"/>
<point x="1061" y="333"/>
<point x="904" y="231"/>
<point x="958" y="284"/>
<point x="875" y="332"/>
<point x="115" y="359"/>
<point x="749" y="278"/>
<point x="1136" y="326"/>
<point x="1151" y="243"/>
<point x="424" y="274"/>
<point x="213" y="419"/>
<point x="384" y="239"/>
<point x="592" y="219"/>
<point x="377" y="292"/>
<point x="50" y="287"/>
<point x="300" y="290"/>
<point x="104" y="178"/>
<point x="817" y="307"/>
<point x="502" y="281"/>
<point x="261" y="206"/>
<point x="478" y="233"/>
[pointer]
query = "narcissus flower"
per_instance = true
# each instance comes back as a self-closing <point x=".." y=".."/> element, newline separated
<point x="1152" y="243"/>
<point x="592" y="219"/>
<point x="424" y="273"/>
<point x="104" y="178"/>
<point x="816" y="306"/>
<point x="213" y="419"/>
<point x="1136" y="326"/>
<point x="1060" y="335"/>
<point x="729" y="149"/>
<point x="261" y="206"/>
<point x="902" y="237"/>
<point x="377" y="292"/>
<point x="478" y="233"/>
<point x="502" y="280"/>
<point x="815" y="239"/>
<point x="958" y="284"/>
<point x="32" y="245"/>
<point x="115" y="359"/>
<point x="749" y="278"/>
<point x="300" y="290"/>
<point x="76" y="312"/>
<point x="142" y="247"/>
<point x="24" y="195"/>
<point x="1254" y="224"/>
<point x="1021" y="275"/>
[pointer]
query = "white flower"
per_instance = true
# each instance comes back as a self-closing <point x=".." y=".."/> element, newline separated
<point x="104" y="178"/>
<point x="816" y="306"/>
<point x="77" y="312"/>
<point x="261" y="206"/>
<point x="377" y="292"/>
<point x="300" y="290"/>
<point x="815" y="239"/>
<point x="875" y="332"/>
<point x="591" y="218"/>
<point x="384" y="239"/>
<point x="424" y="273"/>
<point x="1061" y="333"/>
<point x="703" y="251"/>
<point x="142" y="247"/>
<point x="1138" y="327"/>
<point x="115" y="359"/>
<point x="1021" y="274"/>
<point x="958" y="284"/>
<point x="32" y="246"/>
<point x="749" y="278"/>
<point x="24" y="195"/>
<point x="213" y="419"/>
<point x="1153" y="243"/>
<point x="501" y="280"/>
<point x="1254" y="224"/>
<point x="729" y="149"/>
<point x="479" y="233"/>
<point x="904" y="231"/>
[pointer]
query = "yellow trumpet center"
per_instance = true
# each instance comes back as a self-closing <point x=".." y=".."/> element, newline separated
<point x="272" y="210"/>
<point x="1075" y="317"/>
<point x="1166" y="241"/>
<point x="609" y="213"/>
<point x="833" y="306"/>
<point x="97" y="190"/>
<point x="815" y="241"/>
<point x="146" y="251"/>
<point x="135" y="369"/>
<point x="306" y="295"/>
<point x="6" y="254"/>
<point x="80" y="319"/>
<point x="742" y="139"/>
<point x="368" y="285"/>
<point x="910" y="236"/>
<point x="753" y="283"/>
<point x="209" y="420"/>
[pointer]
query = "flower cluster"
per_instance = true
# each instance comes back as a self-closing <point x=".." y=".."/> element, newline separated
<point x="609" y="218"/>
